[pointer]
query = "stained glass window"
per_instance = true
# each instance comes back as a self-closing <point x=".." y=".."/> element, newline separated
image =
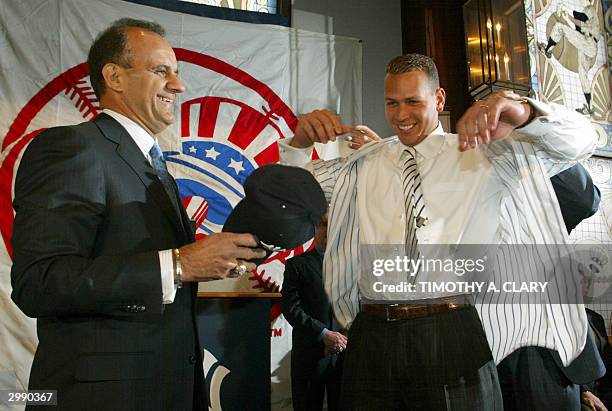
<point x="261" y="6"/>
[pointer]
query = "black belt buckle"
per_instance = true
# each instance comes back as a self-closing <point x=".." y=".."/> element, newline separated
<point x="387" y="306"/>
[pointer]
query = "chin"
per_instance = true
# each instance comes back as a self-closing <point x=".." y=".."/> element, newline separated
<point x="168" y="122"/>
<point x="409" y="140"/>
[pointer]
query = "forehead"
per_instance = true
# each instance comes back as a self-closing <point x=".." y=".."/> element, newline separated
<point x="412" y="83"/>
<point x="148" y="47"/>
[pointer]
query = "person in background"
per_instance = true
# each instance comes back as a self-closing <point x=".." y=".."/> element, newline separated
<point x="597" y="395"/>
<point x="317" y="346"/>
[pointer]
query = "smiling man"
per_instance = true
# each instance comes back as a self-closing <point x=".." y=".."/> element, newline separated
<point x="485" y="185"/>
<point x="104" y="253"/>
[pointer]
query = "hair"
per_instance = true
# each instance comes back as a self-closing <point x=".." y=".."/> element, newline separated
<point x="415" y="62"/>
<point x="111" y="47"/>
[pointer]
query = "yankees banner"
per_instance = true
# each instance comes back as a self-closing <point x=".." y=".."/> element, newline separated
<point x="246" y="84"/>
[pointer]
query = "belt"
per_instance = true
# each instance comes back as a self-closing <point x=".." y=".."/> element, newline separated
<point x="397" y="312"/>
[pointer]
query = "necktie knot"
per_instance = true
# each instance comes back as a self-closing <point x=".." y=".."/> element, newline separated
<point x="159" y="165"/>
<point x="156" y="153"/>
<point x="158" y="161"/>
<point x="409" y="153"/>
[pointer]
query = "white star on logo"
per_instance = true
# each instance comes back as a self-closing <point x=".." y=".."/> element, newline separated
<point x="212" y="153"/>
<point x="236" y="165"/>
<point x="193" y="149"/>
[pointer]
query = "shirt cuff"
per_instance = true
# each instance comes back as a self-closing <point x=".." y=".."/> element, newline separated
<point x="293" y="156"/>
<point x="166" y="266"/>
<point x="547" y="115"/>
<point x="323" y="332"/>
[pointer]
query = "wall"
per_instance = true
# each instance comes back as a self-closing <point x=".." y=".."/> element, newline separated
<point x="435" y="28"/>
<point x="377" y="24"/>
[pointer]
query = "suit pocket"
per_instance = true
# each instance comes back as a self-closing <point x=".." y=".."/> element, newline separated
<point x="479" y="393"/>
<point x="114" y="366"/>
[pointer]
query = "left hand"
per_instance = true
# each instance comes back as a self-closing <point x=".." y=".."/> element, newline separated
<point x="491" y="120"/>
<point x="318" y="126"/>
<point x="335" y="342"/>
<point x="590" y="400"/>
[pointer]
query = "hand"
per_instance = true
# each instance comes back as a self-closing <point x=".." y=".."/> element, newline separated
<point x="214" y="256"/>
<point x="334" y="342"/>
<point x="361" y="136"/>
<point x="491" y="120"/>
<point x="590" y="400"/>
<point x="319" y="126"/>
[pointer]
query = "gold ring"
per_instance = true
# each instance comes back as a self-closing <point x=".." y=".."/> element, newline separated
<point x="483" y="106"/>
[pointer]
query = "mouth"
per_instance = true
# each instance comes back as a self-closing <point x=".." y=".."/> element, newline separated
<point x="405" y="127"/>
<point x="166" y="99"/>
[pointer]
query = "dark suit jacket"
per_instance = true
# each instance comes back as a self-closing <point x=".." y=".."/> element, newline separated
<point x="578" y="199"/>
<point x="306" y="307"/>
<point x="91" y="215"/>
<point x="578" y="196"/>
<point x="603" y="386"/>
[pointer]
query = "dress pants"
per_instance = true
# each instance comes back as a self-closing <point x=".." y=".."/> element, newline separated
<point x="439" y="362"/>
<point x="531" y="380"/>
<point x="309" y="384"/>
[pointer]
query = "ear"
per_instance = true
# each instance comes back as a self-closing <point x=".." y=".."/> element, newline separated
<point x="113" y="77"/>
<point x="440" y="99"/>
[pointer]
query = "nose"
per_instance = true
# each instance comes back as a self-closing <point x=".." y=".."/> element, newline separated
<point x="175" y="85"/>
<point x="403" y="111"/>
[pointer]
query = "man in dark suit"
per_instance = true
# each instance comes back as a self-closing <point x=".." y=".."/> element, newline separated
<point x="104" y="253"/>
<point x="578" y="197"/>
<point x="316" y="364"/>
<point x="534" y="377"/>
<point x="597" y="395"/>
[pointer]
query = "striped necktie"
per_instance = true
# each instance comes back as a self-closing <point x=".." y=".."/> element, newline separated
<point x="414" y="203"/>
<point x="159" y="164"/>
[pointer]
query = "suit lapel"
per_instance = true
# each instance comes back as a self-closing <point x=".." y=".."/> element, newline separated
<point x="129" y="152"/>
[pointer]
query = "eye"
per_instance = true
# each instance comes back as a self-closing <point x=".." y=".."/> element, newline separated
<point x="160" y="71"/>
<point x="391" y="103"/>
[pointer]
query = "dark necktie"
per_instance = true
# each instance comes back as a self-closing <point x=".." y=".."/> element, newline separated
<point x="414" y="204"/>
<point x="159" y="164"/>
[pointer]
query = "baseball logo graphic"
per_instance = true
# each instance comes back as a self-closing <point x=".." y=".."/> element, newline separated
<point x="214" y="373"/>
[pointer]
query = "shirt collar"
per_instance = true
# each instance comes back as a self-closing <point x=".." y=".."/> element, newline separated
<point x="432" y="145"/>
<point x="141" y="137"/>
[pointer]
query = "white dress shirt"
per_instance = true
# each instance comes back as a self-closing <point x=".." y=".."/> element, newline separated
<point x="145" y="142"/>
<point x="475" y="197"/>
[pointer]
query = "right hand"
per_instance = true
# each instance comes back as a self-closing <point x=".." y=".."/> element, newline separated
<point x="361" y="136"/>
<point x="592" y="401"/>
<point x="335" y="342"/>
<point x="318" y="126"/>
<point x="215" y="256"/>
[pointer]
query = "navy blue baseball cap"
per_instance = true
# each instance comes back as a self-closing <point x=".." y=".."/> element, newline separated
<point x="282" y="206"/>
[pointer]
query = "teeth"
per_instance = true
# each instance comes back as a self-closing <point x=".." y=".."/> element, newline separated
<point x="164" y="99"/>
<point x="405" y="128"/>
